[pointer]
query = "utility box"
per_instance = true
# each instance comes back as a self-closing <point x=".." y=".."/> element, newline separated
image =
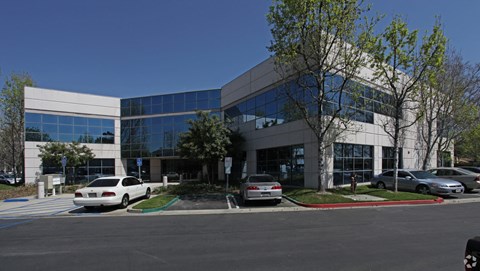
<point x="52" y="182"/>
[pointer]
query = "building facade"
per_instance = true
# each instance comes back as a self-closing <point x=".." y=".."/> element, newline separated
<point x="121" y="130"/>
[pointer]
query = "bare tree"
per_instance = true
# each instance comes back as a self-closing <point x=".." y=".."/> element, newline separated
<point x="449" y="105"/>
<point x="12" y="121"/>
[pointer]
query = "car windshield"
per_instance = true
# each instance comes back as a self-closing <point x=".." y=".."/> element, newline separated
<point x="261" y="179"/>
<point x="422" y="174"/>
<point x="103" y="183"/>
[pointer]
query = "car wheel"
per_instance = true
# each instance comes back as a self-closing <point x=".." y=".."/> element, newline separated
<point x="148" y="193"/>
<point x="278" y="201"/>
<point x="381" y="185"/>
<point x="124" y="203"/>
<point x="88" y="208"/>
<point x="423" y="189"/>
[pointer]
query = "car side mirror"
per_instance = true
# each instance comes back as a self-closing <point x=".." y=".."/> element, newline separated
<point x="408" y="178"/>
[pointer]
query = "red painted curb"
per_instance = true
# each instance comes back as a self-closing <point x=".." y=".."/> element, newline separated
<point x="370" y="203"/>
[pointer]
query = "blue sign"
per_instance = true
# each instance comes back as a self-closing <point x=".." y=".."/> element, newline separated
<point x="139" y="162"/>
<point x="64" y="161"/>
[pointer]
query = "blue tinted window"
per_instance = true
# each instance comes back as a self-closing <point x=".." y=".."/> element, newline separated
<point x="202" y="95"/>
<point x="65" y="120"/>
<point x="190" y="106"/>
<point x="50" y="119"/>
<point x="214" y="94"/>
<point x="214" y="104"/>
<point x="179" y="106"/>
<point x="95" y="122"/>
<point x="32" y="117"/>
<point x="94" y="130"/>
<point x="191" y="96"/>
<point x="80" y="121"/>
<point x="167" y="99"/>
<point x="50" y="128"/>
<point x="125" y="103"/>
<point x="156" y="100"/>
<point x="147" y="101"/>
<point x="65" y="137"/>
<point x="167" y="108"/>
<point x="156" y="109"/>
<point x="80" y="129"/>
<point x="108" y="123"/>
<point x="33" y="127"/>
<point x="65" y="129"/>
<point x="202" y="105"/>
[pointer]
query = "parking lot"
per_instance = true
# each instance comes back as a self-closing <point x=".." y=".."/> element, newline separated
<point x="218" y="202"/>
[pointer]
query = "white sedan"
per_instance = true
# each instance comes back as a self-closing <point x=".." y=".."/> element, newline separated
<point x="110" y="191"/>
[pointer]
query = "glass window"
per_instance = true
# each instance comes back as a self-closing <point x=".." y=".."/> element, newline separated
<point x="79" y="121"/>
<point x="354" y="159"/>
<point x="65" y="120"/>
<point x="50" y="119"/>
<point x="32" y="117"/>
<point x="65" y="129"/>
<point x="95" y="122"/>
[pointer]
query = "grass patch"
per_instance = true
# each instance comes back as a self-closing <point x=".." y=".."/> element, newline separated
<point x="155" y="202"/>
<point x="310" y="196"/>
<point x="6" y="187"/>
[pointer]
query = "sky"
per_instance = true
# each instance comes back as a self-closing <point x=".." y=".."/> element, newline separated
<point x="125" y="48"/>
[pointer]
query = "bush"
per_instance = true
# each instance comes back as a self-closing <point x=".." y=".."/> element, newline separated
<point x="17" y="192"/>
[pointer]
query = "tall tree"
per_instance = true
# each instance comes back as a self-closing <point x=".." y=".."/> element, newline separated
<point x="448" y="103"/>
<point x="206" y="141"/>
<point x="320" y="45"/>
<point x="12" y="121"/>
<point x="401" y="65"/>
<point x="76" y="154"/>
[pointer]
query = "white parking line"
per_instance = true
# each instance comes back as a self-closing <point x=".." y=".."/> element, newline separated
<point x="47" y="207"/>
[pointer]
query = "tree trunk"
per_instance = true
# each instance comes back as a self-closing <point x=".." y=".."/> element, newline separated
<point x="321" y="181"/>
<point x="428" y="152"/>
<point x="396" y="137"/>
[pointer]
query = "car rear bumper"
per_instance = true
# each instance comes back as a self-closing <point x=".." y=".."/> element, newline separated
<point x="105" y="201"/>
<point x="264" y="195"/>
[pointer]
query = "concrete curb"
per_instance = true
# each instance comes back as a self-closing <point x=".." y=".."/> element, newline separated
<point x="365" y="204"/>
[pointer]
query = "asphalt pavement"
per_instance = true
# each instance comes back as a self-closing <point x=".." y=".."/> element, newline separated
<point x="62" y="205"/>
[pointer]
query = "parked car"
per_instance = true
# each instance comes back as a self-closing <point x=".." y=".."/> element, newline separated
<point x="8" y="179"/>
<point x="470" y="180"/>
<point x="471" y="168"/>
<point x="4" y="180"/>
<point x="110" y="191"/>
<point x="418" y="181"/>
<point x="260" y="187"/>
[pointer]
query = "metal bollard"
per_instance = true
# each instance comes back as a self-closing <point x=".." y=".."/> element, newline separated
<point x="165" y="181"/>
<point x="40" y="190"/>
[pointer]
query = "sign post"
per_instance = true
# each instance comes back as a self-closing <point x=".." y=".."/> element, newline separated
<point x="228" y="169"/>
<point x="64" y="164"/>
<point x="139" y="164"/>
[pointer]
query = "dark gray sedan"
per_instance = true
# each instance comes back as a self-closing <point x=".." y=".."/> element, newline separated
<point x="418" y="181"/>
<point x="261" y="187"/>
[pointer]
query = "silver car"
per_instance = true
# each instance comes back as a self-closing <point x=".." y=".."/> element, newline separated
<point x="418" y="181"/>
<point x="470" y="180"/>
<point x="261" y="187"/>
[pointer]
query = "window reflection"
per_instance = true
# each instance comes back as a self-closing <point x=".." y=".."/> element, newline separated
<point x="47" y="127"/>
